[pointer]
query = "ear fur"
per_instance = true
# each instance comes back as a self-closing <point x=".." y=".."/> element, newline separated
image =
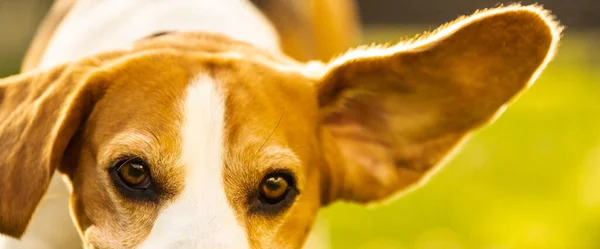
<point x="39" y="113"/>
<point x="390" y="115"/>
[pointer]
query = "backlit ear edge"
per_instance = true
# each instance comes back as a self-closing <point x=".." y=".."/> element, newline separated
<point x="426" y="39"/>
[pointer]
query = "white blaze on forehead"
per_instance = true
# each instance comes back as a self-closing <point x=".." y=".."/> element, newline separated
<point x="201" y="216"/>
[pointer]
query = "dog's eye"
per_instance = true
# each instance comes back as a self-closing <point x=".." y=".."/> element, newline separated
<point x="274" y="188"/>
<point x="133" y="180"/>
<point x="276" y="192"/>
<point x="134" y="174"/>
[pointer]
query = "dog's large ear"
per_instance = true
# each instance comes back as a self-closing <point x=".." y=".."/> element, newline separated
<point x="39" y="113"/>
<point x="389" y="116"/>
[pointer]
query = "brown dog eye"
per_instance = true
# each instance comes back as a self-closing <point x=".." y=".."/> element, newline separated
<point x="133" y="179"/>
<point x="277" y="190"/>
<point x="275" y="193"/>
<point x="134" y="174"/>
<point x="274" y="188"/>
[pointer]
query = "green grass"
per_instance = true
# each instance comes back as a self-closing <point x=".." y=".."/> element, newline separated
<point x="531" y="180"/>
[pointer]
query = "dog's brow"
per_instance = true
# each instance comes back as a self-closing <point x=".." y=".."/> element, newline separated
<point x="128" y="142"/>
<point x="277" y="153"/>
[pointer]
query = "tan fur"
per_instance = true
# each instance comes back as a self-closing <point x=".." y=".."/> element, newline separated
<point x="314" y="29"/>
<point x="361" y="128"/>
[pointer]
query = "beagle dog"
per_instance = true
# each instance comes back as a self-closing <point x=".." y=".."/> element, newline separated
<point x="211" y="137"/>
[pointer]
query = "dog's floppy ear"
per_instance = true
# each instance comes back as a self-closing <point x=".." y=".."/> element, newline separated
<point x="390" y="115"/>
<point x="39" y="113"/>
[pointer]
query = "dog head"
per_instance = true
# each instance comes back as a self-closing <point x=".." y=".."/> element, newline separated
<point x="197" y="141"/>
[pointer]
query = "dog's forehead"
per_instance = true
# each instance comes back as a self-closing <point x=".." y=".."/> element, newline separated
<point x="266" y="102"/>
<point x="164" y="67"/>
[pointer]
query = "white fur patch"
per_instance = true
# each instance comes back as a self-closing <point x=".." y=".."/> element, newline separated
<point x="201" y="216"/>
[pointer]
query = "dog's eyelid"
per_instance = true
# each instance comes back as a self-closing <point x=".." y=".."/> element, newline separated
<point x="280" y="158"/>
<point x="127" y="157"/>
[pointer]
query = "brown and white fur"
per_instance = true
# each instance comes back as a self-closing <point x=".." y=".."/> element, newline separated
<point x="215" y="107"/>
<point x="76" y="28"/>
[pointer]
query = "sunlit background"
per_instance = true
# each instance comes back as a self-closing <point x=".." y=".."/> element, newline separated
<point x="531" y="180"/>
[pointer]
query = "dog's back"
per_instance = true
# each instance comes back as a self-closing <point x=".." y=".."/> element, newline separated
<point x="304" y="30"/>
<point x="313" y="29"/>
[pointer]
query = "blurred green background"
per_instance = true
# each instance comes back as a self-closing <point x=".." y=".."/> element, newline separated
<point x="531" y="180"/>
